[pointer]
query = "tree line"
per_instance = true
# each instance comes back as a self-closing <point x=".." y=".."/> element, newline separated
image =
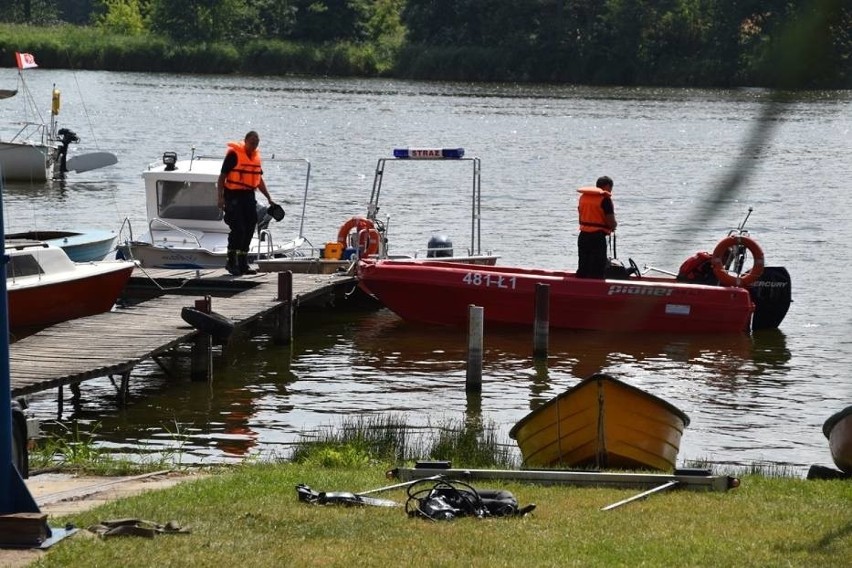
<point x="720" y="43"/>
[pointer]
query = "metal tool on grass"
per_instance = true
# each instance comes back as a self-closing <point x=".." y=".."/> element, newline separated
<point x="308" y="495"/>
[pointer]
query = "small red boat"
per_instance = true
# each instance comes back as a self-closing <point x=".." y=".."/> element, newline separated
<point x="45" y="287"/>
<point x="436" y="292"/>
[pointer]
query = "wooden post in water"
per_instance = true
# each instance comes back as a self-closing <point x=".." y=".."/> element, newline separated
<point x="201" y="365"/>
<point x="283" y="333"/>
<point x="474" y="349"/>
<point x="541" y="324"/>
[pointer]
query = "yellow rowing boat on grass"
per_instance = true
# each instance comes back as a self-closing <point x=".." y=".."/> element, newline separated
<point x="602" y="423"/>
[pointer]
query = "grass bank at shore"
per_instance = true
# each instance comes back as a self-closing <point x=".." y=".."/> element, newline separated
<point x="250" y="516"/>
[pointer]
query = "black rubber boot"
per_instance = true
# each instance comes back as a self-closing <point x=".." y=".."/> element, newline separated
<point x="231" y="266"/>
<point x="242" y="259"/>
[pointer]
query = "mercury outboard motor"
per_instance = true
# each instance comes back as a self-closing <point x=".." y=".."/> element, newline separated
<point x="772" y="296"/>
<point x="440" y="246"/>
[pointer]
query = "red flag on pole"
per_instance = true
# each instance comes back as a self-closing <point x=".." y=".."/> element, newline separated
<point x="25" y="60"/>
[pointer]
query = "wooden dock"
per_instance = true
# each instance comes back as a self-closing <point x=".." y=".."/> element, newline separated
<point x="113" y="343"/>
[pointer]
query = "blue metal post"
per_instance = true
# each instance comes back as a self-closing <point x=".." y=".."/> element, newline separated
<point x="14" y="495"/>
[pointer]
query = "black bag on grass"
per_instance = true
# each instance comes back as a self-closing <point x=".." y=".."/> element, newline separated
<point x="448" y="499"/>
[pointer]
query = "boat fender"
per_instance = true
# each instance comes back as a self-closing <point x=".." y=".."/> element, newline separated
<point x="55" y="102"/>
<point x="212" y="323"/>
<point x="368" y="236"/>
<point x="721" y="252"/>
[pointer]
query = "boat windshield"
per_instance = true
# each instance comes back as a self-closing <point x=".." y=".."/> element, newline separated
<point x="23" y="265"/>
<point x="188" y="200"/>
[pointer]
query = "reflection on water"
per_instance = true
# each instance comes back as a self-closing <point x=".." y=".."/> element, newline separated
<point x="263" y="397"/>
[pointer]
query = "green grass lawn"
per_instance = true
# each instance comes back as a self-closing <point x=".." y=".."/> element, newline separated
<point x="250" y="516"/>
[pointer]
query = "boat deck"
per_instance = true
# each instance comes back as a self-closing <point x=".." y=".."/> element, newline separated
<point x="114" y="342"/>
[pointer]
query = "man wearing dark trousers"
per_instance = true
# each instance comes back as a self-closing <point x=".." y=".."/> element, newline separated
<point x="597" y="220"/>
<point x="242" y="174"/>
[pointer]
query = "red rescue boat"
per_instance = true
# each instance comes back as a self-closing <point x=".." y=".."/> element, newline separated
<point x="712" y="293"/>
<point x="440" y="293"/>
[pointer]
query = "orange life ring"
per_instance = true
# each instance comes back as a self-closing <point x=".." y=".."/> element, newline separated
<point x="368" y="236"/>
<point x="721" y="251"/>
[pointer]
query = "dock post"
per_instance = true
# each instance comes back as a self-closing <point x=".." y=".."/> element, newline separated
<point x="201" y="366"/>
<point x="541" y="324"/>
<point x="283" y="334"/>
<point x="476" y="317"/>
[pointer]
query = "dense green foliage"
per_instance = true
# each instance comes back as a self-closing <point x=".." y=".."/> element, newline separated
<point x="775" y="43"/>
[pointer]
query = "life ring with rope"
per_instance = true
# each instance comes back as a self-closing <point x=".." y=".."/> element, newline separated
<point x="368" y="236"/>
<point x="720" y="254"/>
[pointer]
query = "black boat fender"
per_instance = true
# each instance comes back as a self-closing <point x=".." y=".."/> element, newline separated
<point x="214" y="324"/>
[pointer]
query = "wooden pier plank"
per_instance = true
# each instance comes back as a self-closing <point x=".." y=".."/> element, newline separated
<point x="114" y="342"/>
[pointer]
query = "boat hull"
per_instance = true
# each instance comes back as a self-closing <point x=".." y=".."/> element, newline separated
<point x="87" y="293"/>
<point x="80" y="246"/>
<point x="602" y="423"/>
<point x="441" y="293"/>
<point x="838" y="430"/>
<point x="189" y="257"/>
<point x="25" y="162"/>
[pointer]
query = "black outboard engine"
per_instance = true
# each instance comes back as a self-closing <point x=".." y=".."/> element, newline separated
<point x="772" y="296"/>
<point x="66" y="137"/>
<point x="440" y="246"/>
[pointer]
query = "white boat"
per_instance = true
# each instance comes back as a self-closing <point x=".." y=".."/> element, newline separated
<point x="368" y="237"/>
<point x="38" y="150"/>
<point x="81" y="245"/>
<point x="45" y="287"/>
<point x="186" y="228"/>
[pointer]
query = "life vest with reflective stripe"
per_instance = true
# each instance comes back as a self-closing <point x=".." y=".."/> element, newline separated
<point x="592" y="216"/>
<point x="246" y="174"/>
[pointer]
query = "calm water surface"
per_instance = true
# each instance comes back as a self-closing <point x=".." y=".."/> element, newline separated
<point x="760" y="398"/>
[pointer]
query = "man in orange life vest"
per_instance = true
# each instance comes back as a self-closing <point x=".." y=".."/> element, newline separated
<point x="241" y="174"/>
<point x="597" y="220"/>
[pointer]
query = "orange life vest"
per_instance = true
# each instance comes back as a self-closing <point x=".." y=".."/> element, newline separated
<point x="246" y="174"/>
<point x="592" y="216"/>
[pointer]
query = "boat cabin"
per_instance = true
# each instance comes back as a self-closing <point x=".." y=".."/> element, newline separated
<point x="34" y="259"/>
<point x="183" y="194"/>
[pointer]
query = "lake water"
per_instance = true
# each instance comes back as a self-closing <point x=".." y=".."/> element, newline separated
<point x="751" y="399"/>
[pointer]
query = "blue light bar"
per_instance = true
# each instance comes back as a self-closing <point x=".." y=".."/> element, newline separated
<point x="429" y="153"/>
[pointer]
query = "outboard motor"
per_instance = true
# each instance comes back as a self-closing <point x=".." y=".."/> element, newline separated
<point x="772" y="296"/>
<point x="440" y="246"/>
<point x="66" y="137"/>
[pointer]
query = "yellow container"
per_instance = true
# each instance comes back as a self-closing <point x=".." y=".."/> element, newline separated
<point x="333" y="250"/>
